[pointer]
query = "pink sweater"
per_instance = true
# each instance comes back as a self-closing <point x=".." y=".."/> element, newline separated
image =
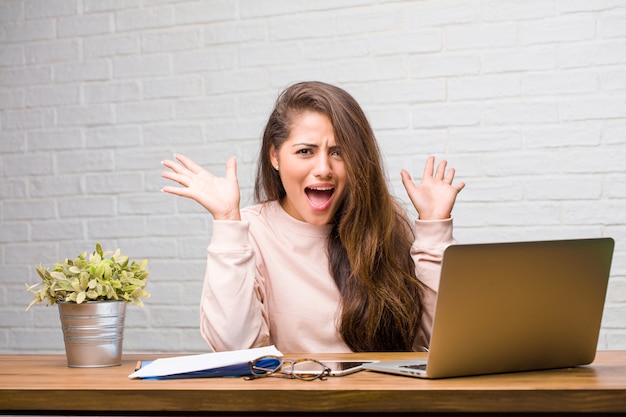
<point x="268" y="282"/>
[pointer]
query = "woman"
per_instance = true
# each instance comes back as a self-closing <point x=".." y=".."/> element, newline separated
<point x="327" y="261"/>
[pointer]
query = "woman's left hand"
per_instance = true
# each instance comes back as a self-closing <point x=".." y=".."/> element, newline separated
<point x="434" y="197"/>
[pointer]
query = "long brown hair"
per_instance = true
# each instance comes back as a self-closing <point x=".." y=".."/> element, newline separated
<point x="369" y="246"/>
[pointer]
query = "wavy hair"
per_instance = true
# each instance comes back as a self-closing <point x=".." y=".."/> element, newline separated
<point x="369" y="246"/>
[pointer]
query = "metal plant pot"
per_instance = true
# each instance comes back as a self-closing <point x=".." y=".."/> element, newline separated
<point x="93" y="333"/>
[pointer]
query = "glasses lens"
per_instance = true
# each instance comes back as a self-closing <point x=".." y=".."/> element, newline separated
<point x="265" y="365"/>
<point x="308" y="369"/>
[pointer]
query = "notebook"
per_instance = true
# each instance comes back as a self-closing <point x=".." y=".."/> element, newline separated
<point x="519" y="306"/>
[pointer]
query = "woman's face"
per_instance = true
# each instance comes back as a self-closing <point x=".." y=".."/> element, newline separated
<point x="311" y="169"/>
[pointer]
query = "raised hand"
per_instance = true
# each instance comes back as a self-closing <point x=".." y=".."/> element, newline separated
<point x="434" y="197"/>
<point x="219" y="195"/>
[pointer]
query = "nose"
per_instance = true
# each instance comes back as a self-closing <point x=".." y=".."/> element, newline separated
<point x="322" y="167"/>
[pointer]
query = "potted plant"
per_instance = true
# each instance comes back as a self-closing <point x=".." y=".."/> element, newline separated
<point x="92" y="294"/>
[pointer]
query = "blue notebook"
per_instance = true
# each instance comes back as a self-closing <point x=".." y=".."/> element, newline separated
<point x="237" y="370"/>
<point x="207" y="365"/>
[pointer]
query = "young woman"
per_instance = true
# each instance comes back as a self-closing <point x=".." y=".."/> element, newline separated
<point x="327" y="261"/>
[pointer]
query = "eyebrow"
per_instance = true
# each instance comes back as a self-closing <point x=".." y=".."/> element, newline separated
<point x="312" y="145"/>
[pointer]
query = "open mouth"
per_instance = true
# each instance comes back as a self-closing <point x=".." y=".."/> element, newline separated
<point x="319" y="197"/>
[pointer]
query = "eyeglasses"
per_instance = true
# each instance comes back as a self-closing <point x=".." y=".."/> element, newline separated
<point x="303" y="369"/>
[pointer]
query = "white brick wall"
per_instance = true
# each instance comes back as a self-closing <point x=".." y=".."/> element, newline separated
<point x="527" y="99"/>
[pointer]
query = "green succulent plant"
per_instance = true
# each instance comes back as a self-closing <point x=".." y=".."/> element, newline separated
<point x="103" y="276"/>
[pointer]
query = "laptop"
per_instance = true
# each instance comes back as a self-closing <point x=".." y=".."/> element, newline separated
<point x="518" y="306"/>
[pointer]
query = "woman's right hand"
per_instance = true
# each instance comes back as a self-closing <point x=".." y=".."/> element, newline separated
<point x="219" y="195"/>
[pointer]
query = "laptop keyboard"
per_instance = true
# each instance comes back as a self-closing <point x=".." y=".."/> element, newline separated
<point x="420" y="366"/>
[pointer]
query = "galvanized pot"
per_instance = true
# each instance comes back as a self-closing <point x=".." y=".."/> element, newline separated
<point x="93" y="333"/>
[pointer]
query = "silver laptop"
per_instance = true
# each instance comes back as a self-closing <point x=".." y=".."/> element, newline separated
<point x="507" y="307"/>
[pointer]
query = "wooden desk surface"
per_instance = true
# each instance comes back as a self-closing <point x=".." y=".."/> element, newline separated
<point x="44" y="383"/>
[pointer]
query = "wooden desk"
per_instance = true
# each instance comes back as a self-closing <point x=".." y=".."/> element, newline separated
<point x="41" y="384"/>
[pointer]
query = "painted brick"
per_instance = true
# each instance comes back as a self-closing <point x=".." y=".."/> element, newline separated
<point x="13" y="99"/>
<point x="22" y="165"/>
<point x="527" y="59"/>
<point x="493" y="35"/>
<point x="27" y="119"/>
<point x="52" y="230"/>
<point x="44" y="96"/>
<point x="11" y="55"/>
<point x="505" y="10"/>
<point x="111" y="92"/>
<point x="305" y="26"/>
<point x="148" y="66"/>
<point x="84" y="25"/>
<point x="561" y="29"/>
<point x="86" y="207"/>
<point x="362" y="70"/>
<point x="92" y="115"/>
<point x="11" y="11"/>
<point x="53" y="51"/>
<point x="429" y="13"/>
<point x="150" y="18"/>
<point x="247" y="80"/>
<point x="441" y="65"/>
<point x="612" y="25"/>
<point x="55" y="185"/>
<point x="479" y="87"/>
<point x="206" y="108"/>
<point x="52" y="8"/>
<point x="524" y="99"/>
<point x="25" y="77"/>
<point x="411" y="42"/>
<point x="559" y="83"/>
<point x="253" y="8"/>
<point x="238" y="31"/>
<point x="164" y="135"/>
<point x="111" y="46"/>
<point x="431" y="116"/>
<point x="95" y="6"/>
<point x="171" y="41"/>
<point x="147" y="111"/>
<point x="594" y="108"/>
<point x="197" y="12"/>
<point x="113" y="136"/>
<point x="269" y="54"/>
<point x="80" y="161"/>
<point x="122" y="226"/>
<point x="556" y="136"/>
<point x="88" y="71"/>
<point x="592" y="54"/>
<point x="521" y="112"/>
<point x="613" y="80"/>
<point x="34" y="30"/>
<point x="114" y="183"/>
<point x="220" y="58"/>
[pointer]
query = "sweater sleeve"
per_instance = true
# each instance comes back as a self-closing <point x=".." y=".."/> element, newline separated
<point x="432" y="237"/>
<point x="232" y="315"/>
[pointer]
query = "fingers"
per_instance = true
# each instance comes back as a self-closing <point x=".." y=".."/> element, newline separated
<point x="407" y="181"/>
<point x="430" y="173"/>
<point x="231" y="168"/>
<point x="440" y="173"/>
<point x="449" y="176"/>
<point x="188" y="163"/>
<point x="441" y="170"/>
<point x="429" y="167"/>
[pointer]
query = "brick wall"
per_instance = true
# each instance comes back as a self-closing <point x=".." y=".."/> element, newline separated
<point x="526" y="99"/>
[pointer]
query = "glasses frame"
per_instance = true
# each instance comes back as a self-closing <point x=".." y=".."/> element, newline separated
<point x="257" y="372"/>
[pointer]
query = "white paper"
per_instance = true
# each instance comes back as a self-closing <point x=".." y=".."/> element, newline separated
<point x="192" y="363"/>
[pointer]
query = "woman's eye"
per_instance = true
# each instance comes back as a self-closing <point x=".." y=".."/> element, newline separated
<point x="304" y="152"/>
